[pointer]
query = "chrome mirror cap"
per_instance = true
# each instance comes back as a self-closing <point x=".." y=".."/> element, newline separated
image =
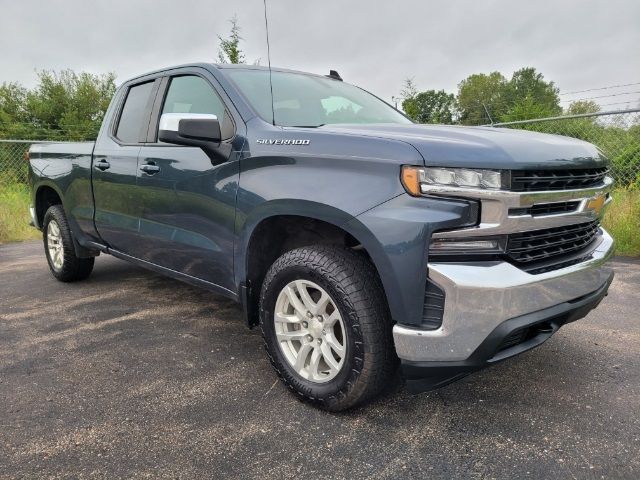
<point x="171" y="121"/>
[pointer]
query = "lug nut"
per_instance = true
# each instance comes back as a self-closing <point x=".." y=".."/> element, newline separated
<point x="305" y="324"/>
<point x="320" y="319"/>
<point x="309" y="338"/>
<point x="319" y="341"/>
<point x="309" y="314"/>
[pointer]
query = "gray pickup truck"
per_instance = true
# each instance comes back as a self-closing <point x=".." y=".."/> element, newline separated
<point x="367" y="248"/>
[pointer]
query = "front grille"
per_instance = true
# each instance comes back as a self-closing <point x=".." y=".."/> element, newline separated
<point x="541" y="180"/>
<point x="529" y="248"/>
<point x="546" y="209"/>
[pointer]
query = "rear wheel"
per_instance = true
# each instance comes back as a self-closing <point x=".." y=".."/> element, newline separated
<point x="58" y="247"/>
<point x="326" y="326"/>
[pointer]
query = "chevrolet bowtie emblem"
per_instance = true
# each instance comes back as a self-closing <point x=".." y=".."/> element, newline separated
<point x="596" y="203"/>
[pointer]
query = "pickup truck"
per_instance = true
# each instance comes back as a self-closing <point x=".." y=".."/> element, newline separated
<point x="367" y="248"/>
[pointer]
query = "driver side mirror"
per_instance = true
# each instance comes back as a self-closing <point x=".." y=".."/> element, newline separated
<point x="193" y="130"/>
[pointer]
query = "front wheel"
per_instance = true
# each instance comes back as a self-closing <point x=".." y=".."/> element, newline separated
<point x="58" y="246"/>
<point x="326" y="326"/>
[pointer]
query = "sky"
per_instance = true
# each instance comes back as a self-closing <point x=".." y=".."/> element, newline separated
<point x="580" y="45"/>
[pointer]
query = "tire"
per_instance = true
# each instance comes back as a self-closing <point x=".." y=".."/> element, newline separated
<point x="58" y="247"/>
<point x="368" y="362"/>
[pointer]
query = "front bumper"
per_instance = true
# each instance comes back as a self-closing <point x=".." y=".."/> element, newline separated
<point x="485" y="302"/>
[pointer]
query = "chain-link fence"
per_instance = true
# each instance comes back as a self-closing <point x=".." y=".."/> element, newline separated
<point x="13" y="162"/>
<point x="617" y="134"/>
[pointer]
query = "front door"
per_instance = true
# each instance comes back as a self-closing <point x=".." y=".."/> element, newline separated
<point x="188" y="204"/>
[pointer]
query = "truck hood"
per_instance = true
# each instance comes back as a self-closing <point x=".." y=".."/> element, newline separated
<point x="484" y="147"/>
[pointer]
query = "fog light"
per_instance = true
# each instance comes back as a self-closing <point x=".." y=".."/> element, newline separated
<point x="445" y="246"/>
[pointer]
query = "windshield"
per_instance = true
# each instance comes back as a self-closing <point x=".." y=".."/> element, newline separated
<point x="301" y="100"/>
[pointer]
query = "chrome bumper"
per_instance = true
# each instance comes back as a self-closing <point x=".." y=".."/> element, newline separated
<point x="479" y="297"/>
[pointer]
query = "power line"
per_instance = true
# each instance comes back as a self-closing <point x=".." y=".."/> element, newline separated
<point x="600" y="88"/>
<point x="601" y="96"/>
<point x="637" y="101"/>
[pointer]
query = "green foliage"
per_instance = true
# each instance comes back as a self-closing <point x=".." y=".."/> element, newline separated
<point x="527" y="95"/>
<point x="229" y="51"/>
<point x="580" y="107"/>
<point x="480" y="91"/>
<point x="14" y="213"/>
<point x="431" y="106"/>
<point x="63" y="105"/>
<point x="622" y="221"/>
<point x="485" y="97"/>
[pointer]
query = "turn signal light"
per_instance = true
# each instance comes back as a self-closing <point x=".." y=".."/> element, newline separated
<point x="410" y="177"/>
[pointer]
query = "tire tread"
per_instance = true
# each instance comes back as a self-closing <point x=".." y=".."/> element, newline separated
<point x="73" y="268"/>
<point x="355" y="278"/>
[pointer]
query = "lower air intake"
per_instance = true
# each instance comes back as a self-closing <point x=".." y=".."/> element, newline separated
<point x="433" y="306"/>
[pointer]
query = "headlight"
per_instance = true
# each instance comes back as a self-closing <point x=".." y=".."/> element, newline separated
<point x="417" y="179"/>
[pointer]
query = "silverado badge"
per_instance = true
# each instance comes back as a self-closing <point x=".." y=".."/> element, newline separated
<point x="280" y="141"/>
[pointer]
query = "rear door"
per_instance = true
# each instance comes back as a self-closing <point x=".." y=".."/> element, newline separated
<point x="115" y="167"/>
<point x="188" y="203"/>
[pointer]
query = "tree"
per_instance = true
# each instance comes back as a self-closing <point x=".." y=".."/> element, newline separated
<point x="480" y="91"/>
<point x="409" y="89"/>
<point x="527" y="95"/>
<point x="13" y="114"/>
<point x="64" y="105"/>
<point x="583" y="106"/>
<point x="229" y="51"/>
<point x="431" y="106"/>
<point x="482" y="98"/>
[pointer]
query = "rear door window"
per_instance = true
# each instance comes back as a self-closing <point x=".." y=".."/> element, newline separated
<point x="134" y="119"/>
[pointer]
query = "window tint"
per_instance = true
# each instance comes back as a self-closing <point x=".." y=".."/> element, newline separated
<point x="133" y="118"/>
<point x="191" y="94"/>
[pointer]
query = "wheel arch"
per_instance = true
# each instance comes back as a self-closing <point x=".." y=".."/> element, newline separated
<point x="259" y="245"/>
<point x="45" y="195"/>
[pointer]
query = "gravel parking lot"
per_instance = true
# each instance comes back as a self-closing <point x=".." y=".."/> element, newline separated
<point x="131" y="374"/>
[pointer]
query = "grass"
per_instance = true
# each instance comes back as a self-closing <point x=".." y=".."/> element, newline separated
<point x="14" y="213"/>
<point x="622" y="219"/>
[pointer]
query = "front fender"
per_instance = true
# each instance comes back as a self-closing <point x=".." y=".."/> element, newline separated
<point x="396" y="234"/>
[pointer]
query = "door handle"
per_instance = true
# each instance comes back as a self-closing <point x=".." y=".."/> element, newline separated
<point x="150" y="169"/>
<point x="102" y="165"/>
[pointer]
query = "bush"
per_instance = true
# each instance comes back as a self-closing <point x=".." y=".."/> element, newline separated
<point x="14" y="213"/>
<point x="622" y="221"/>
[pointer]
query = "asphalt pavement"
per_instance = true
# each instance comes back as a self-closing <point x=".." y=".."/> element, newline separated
<point x="130" y="374"/>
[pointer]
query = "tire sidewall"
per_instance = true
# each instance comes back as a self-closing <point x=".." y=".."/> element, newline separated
<point x="350" y="370"/>
<point x="73" y="267"/>
<point x="53" y="215"/>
